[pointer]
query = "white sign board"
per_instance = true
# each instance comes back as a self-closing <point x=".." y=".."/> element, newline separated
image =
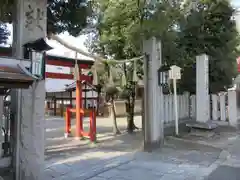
<point x="34" y="19"/>
<point x="175" y="72"/>
<point x="37" y="60"/>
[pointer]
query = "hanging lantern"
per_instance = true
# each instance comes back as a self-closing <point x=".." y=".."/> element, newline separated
<point x="163" y="75"/>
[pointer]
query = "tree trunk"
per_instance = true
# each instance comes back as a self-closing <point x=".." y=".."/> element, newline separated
<point x="114" y="117"/>
<point x="98" y="102"/>
<point x="130" y="127"/>
<point x="130" y="105"/>
<point x="143" y="113"/>
<point x="130" y="119"/>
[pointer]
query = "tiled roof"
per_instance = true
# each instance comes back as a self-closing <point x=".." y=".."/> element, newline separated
<point x="57" y="85"/>
<point x="73" y="86"/>
<point x="61" y="85"/>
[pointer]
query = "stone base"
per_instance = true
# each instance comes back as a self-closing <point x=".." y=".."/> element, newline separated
<point x="67" y="135"/>
<point x="150" y="146"/>
<point x="5" y="162"/>
<point x="209" y="125"/>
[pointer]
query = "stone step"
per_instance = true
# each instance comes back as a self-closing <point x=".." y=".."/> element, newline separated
<point x="209" y="125"/>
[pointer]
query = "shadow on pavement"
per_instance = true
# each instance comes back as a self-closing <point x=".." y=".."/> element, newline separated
<point x="85" y="167"/>
<point x="58" y="147"/>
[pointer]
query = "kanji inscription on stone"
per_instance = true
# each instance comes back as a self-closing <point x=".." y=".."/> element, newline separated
<point x="34" y="19"/>
<point x="34" y="16"/>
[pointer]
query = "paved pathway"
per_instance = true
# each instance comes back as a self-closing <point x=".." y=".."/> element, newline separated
<point x="209" y="156"/>
<point x="169" y="163"/>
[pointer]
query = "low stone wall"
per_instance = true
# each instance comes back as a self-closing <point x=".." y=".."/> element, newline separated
<point x="121" y="108"/>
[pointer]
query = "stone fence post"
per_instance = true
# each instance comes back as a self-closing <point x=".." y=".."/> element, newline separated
<point x="232" y="108"/>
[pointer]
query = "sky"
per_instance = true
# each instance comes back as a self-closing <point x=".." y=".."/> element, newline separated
<point x="59" y="50"/>
<point x="236" y="3"/>
<point x="79" y="41"/>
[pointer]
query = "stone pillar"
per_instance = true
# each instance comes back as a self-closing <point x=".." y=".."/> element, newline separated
<point x="232" y="108"/>
<point x="215" y="107"/>
<point x="153" y="97"/>
<point x="222" y="100"/>
<point x="202" y="91"/>
<point x="29" y="104"/>
<point x="1" y="123"/>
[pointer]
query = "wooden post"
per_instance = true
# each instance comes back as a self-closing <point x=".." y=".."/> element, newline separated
<point x="55" y="106"/>
<point x="85" y="97"/>
<point x="67" y="123"/>
<point x="62" y="105"/>
<point x="71" y="103"/>
<point x="93" y="125"/>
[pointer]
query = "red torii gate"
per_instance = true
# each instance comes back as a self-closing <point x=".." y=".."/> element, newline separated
<point x="69" y="62"/>
<point x="78" y="110"/>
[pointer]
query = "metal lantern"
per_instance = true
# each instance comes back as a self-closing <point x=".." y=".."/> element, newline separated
<point x="163" y="75"/>
<point x="35" y="51"/>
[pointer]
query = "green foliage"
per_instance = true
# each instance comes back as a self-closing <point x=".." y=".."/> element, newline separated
<point x="71" y="16"/>
<point x="118" y="29"/>
<point x="210" y="29"/>
<point x="184" y="33"/>
<point x="111" y="90"/>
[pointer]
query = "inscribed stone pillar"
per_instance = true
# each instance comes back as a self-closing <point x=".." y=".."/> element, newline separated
<point x="153" y="97"/>
<point x="29" y="25"/>
<point x="202" y="88"/>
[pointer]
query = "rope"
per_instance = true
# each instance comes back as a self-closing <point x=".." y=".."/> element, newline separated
<point x="97" y="58"/>
<point x="125" y="60"/>
<point x="98" y="61"/>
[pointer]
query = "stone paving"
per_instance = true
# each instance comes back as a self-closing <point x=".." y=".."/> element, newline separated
<point x="167" y="163"/>
<point x="189" y="157"/>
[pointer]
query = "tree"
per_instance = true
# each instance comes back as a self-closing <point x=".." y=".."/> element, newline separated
<point x="111" y="34"/>
<point x="108" y="82"/>
<point x="62" y="16"/>
<point x="4" y="34"/>
<point x="209" y="28"/>
<point x="112" y="91"/>
<point x="121" y="27"/>
<point x="114" y="38"/>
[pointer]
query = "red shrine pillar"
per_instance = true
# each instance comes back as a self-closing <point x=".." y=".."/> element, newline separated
<point x="79" y="124"/>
